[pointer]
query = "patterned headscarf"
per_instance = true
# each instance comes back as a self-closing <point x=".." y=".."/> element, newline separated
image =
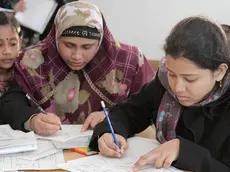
<point x="170" y="109"/>
<point x="84" y="14"/>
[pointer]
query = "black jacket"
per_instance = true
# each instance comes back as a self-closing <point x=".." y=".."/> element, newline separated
<point x="204" y="132"/>
<point x="15" y="108"/>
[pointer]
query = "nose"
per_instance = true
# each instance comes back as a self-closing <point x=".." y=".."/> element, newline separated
<point x="77" y="55"/>
<point x="6" y="50"/>
<point x="179" y="86"/>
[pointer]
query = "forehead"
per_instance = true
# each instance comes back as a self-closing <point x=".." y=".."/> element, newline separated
<point x="182" y="65"/>
<point x="8" y="32"/>
<point x="78" y="40"/>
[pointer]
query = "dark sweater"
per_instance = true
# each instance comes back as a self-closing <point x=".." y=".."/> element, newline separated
<point x="204" y="132"/>
<point x="15" y="108"/>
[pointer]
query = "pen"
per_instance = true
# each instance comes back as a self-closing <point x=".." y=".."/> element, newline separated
<point x="36" y="104"/>
<point x="110" y="125"/>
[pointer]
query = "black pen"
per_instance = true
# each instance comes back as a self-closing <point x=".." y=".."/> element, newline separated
<point x="36" y="104"/>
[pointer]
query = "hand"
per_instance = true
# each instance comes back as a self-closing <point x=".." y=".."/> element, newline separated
<point x="45" y="125"/>
<point x="161" y="157"/>
<point x="20" y="6"/>
<point x="92" y="120"/>
<point x="108" y="148"/>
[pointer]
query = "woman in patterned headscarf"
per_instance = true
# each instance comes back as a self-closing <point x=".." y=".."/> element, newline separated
<point x="79" y="64"/>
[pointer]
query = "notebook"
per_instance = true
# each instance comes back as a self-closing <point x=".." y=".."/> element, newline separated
<point x="37" y="14"/>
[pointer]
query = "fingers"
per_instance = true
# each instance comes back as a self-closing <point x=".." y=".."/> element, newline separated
<point x="123" y="144"/>
<point x="108" y="148"/>
<point x="159" y="161"/>
<point x="87" y="123"/>
<point x="97" y="118"/>
<point x="144" y="160"/>
<point x="92" y="120"/>
<point x="51" y="118"/>
<point x="168" y="161"/>
<point x="45" y="125"/>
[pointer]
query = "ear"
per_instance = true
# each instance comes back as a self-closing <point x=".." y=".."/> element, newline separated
<point x="220" y="72"/>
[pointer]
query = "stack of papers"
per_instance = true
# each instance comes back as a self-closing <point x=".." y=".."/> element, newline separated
<point x="137" y="147"/>
<point x="69" y="137"/>
<point x="14" y="141"/>
<point x="9" y="163"/>
<point x="45" y="149"/>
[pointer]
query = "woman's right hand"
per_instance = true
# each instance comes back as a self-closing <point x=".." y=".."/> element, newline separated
<point x="108" y="148"/>
<point x="45" y="125"/>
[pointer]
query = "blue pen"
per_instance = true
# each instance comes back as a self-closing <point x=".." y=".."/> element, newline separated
<point x="110" y="125"/>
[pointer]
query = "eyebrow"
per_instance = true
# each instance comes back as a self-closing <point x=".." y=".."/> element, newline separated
<point x="11" y="39"/>
<point x="183" y="74"/>
<point x="69" y="42"/>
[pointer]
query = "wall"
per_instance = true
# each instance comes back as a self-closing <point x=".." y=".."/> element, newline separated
<point x="146" y="23"/>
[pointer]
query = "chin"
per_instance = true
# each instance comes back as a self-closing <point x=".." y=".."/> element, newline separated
<point x="186" y="103"/>
<point x="76" y="68"/>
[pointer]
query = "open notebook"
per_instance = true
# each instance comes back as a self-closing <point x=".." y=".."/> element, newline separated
<point x="37" y="14"/>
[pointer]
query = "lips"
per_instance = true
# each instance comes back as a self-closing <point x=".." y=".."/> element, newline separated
<point x="182" y="97"/>
<point x="8" y="60"/>
<point x="76" y="64"/>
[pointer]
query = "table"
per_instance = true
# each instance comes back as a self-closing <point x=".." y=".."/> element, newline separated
<point x="69" y="155"/>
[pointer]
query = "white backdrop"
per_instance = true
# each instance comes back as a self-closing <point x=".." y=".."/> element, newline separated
<point x="146" y="23"/>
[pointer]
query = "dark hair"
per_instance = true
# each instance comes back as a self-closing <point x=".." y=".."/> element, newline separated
<point x="6" y="19"/>
<point x="226" y="29"/>
<point x="200" y="41"/>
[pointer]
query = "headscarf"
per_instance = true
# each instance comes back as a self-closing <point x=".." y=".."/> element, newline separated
<point x="170" y="109"/>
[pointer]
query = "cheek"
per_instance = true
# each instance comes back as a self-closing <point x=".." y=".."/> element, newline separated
<point x="64" y="52"/>
<point x="200" y="90"/>
<point x="89" y="54"/>
<point x="15" y="50"/>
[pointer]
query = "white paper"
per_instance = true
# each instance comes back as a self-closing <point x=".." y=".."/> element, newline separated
<point x="37" y="14"/>
<point x="45" y="148"/>
<point x="14" y="141"/>
<point x="68" y="132"/>
<point x="137" y="147"/>
<point x="8" y="163"/>
<point x="74" y="143"/>
<point x="7" y="133"/>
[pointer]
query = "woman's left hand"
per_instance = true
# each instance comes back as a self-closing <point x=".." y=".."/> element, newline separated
<point x="92" y="120"/>
<point x="160" y="157"/>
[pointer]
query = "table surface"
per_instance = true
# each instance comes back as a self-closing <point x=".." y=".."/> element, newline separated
<point x="69" y="155"/>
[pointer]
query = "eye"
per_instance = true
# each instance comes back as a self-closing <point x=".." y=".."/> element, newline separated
<point x="69" y="45"/>
<point x="171" y="75"/>
<point x="190" y="80"/>
<point x="13" y="43"/>
<point x="86" y="47"/>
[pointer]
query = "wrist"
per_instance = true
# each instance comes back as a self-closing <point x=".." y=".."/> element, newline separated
<point x="31" y="123"/>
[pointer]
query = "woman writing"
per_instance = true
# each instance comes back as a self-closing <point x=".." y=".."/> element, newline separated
<point x="188" y="101"/>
